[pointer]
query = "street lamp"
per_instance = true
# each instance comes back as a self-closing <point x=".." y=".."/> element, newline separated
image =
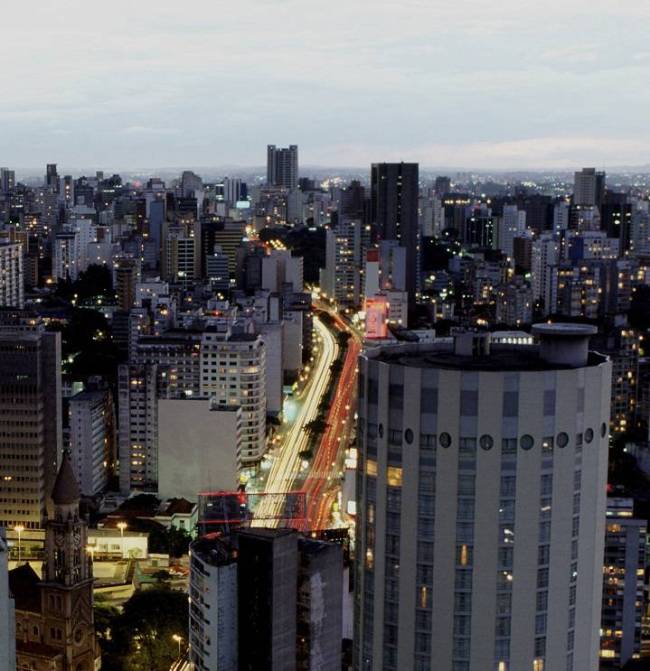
<point x="178" y="640"/>
<point x="19" y="529"/>
<point x="121" y="526"/>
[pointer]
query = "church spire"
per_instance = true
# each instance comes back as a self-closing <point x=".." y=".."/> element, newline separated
<point x="66" y="489"/>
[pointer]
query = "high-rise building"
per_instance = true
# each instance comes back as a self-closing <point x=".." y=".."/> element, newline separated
<point x="213" y="605"/>
<point x="481" y="503"/>
<point x="66" y="256"/>
<point x="270" y="586"/>
<point x="92" y="439"/>
<point x="442" y="186"/>
<point x="7" y="180"/>
<point x="7" y="612"/>
<point x="30" y="424"/>
<point x="12" y="289"/>
<point x="138" y="427"/>
<point x="544" y="259"/>
<point x="394" y="210"/>
<point x="216" y="269"/>
<point x="345" y="255"/>
<point x="181" y="251"/>
<point x="623" y="584"/>
<point x="267" y="593"/>
<point x="282" y="166"/>
<point x="126" y="274"/>
<point x="588" y="188"/>
<point x="52" y="177"/>
<point x="233" y="373"/>
<point x="320" y="608"/>
<point x="54" y="615"/>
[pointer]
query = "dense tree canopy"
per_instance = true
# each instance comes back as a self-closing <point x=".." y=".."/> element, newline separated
<point x="142" y="636"/>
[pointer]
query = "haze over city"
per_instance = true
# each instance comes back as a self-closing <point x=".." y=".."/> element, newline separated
<point x="473" y="84"/>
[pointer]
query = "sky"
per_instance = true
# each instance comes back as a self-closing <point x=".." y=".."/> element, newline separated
<point x="474" y="84"/>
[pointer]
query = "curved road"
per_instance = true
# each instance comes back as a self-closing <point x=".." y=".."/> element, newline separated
<point x="286" y="466"/>
<point x="323" y="482"/>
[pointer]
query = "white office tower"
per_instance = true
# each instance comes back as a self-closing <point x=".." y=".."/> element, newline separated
<point x="481" y="504"/>
<point x="544" y="259"/>
<point x="91" y="423"/>
<point x="7" y="612"/>
<point x="345" y="252"/>
<point x="11" y="275"/>
<point x="213" y="605"/>
<point x="138" y="422"/>
<point x="511" y="225"/>
<point x="233" y="372"/>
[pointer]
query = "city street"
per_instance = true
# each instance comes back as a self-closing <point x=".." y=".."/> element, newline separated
<point x="286" y="465"/>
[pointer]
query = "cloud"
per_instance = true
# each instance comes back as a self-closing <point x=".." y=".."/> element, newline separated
<point x="465" y="79"/>
<point x="147" y="130"/>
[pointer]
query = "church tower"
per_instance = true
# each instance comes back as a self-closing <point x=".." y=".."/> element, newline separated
<point x="67" y="584"/>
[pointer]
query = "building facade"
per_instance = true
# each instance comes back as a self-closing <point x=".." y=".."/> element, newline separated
<point x="30" y="424"/>
<point x="481" y="504"/>
<point x="623" y="584"/>
<point x="12" y="292"/>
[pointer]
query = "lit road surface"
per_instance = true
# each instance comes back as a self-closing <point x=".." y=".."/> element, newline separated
<point x="286" y="465"/>
<point x="323" y="482"/>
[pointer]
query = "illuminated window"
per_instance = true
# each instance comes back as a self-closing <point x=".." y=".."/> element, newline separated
<point x="371" y="467"/>
<point x="394" y="476"/>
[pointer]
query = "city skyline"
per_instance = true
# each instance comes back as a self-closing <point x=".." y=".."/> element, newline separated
<point x="449" y="85"/>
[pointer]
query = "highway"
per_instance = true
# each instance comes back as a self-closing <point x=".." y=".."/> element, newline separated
<point x="323" y="482"/>
<point x="286" y="464"/>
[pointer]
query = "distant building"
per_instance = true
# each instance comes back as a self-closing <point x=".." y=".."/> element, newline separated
<point x="92" y="439"/>
<point x="30" y="396"/>
<point x="216" y="268"/>
<point x="589" y="187"/>
<point x="623" y="584"/>
<point x="11" y="275"/>
<point x="394" y="210"/>
<point x="282" y="166"/>
<point x="126" y="274"/>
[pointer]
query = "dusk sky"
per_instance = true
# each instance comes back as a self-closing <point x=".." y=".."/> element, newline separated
<point x="472" y="83"/>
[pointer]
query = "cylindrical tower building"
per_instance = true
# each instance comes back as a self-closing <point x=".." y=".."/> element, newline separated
<point x="481" y="498"/>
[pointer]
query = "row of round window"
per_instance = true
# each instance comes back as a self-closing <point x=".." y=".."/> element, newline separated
<point x="526" y="442"/>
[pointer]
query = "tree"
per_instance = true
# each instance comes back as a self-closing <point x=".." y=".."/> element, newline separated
<point x="316" y="426"/>
<point x="142" y="636"/>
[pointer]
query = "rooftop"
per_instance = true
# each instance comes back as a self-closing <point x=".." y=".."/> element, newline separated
<point x="501" y="358"/>
<point x="214" y="550"/>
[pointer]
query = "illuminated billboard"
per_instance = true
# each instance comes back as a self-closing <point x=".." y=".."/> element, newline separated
<point x="376" y="317"/>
